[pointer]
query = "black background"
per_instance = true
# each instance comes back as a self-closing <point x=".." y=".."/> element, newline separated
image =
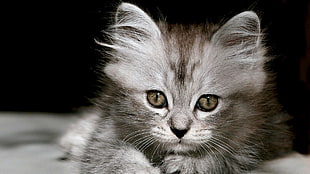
<point x="48" y="55"/>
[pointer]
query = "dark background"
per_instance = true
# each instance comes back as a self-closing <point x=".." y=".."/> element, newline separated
<point x="48" y="55"/>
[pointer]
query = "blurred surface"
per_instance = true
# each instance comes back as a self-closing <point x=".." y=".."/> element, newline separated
<point x="28" y="143"/>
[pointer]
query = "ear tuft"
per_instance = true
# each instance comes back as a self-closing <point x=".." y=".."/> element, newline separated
<point x="133" y="22"/>
<point x="242" y="32"/>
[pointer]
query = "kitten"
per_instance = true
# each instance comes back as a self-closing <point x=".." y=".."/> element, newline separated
<point x="183" y="99"/>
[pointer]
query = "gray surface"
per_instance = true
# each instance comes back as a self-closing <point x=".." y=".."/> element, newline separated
<point x="28" y="143"/>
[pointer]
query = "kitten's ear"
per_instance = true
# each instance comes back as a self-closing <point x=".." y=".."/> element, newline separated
<point x="133" y="23"/>
<point x="241" y="33"/>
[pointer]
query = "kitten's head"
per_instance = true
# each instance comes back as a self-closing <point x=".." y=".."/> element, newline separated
<point x="180" y="89"/>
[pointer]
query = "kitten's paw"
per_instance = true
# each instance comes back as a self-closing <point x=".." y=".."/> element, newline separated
<point x="183" y="165"/>
<point x="173" y="163"/>
<point x="133" y="162"/>
<point x="148" y="170"/>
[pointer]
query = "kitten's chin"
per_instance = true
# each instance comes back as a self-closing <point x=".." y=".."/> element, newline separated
<point x="182" y="146"/>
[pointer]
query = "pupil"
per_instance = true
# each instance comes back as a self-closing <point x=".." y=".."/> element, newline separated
<point x="208" y="101"/>
<point x="156" y="97"/>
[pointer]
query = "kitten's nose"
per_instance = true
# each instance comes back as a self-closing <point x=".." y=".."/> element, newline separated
<point x="179" y="133"/>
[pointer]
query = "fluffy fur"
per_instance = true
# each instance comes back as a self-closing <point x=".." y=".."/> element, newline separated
<point x="184" y="62"/>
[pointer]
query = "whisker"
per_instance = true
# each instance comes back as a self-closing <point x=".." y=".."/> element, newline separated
<point x="140" y="140"/>
<point x="135" y="134"/>
<point x="155" y="150"/>
<point x="246" y="144"/>
<point x="146" y="143"/>
<point x="222" y="145"/>
<point x="206" y="146"/>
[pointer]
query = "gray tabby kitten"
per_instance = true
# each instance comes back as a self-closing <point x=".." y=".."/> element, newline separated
<point x="182" y="99"/>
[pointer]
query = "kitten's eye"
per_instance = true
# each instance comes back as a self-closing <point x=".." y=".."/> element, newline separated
<point x="157" y="99"/>
<point x="207" y="102"/>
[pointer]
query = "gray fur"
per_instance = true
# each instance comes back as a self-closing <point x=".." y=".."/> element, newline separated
<point x="185" y="62"/>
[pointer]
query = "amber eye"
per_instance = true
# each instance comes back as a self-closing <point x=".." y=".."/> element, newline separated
<point x="207" y="102"/>
<point x="157" y="99"/>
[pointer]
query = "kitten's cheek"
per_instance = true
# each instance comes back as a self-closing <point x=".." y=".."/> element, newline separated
<point x="202" y="115"/>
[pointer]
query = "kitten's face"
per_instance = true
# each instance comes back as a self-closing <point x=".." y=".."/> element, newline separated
<point x="186" y="88"/>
